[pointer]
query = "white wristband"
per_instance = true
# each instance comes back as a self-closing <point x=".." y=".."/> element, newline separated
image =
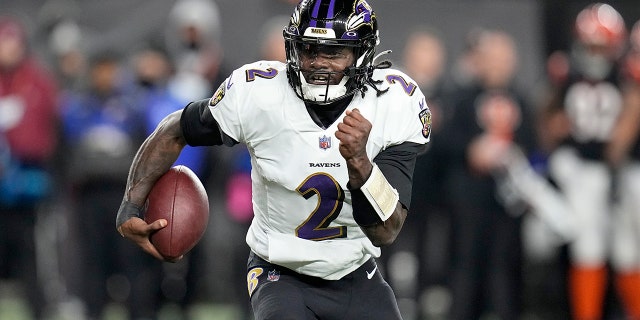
<point x="382" y="196"/>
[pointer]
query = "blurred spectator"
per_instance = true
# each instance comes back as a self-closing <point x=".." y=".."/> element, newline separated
<point x="587" y="102"/>
<point x="425" y="59"/>
<point x="464" y="70"/>
<point x="490" y="115"/>
<point x="156" y="94"/>
<point x="417" y="262"/>
<point x="271" y="39"/>
<point x="193" y="42"/>
<point x="28" y="131"/>
<point x="102" y="126"/>
<point x="69" y="57"/>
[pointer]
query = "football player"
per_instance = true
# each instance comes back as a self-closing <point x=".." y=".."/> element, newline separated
<point x="333" y="137"/>
<point x="623" y="153"/>
<point x="589" y="98"/>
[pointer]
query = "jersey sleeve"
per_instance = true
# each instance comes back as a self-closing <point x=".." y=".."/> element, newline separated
<point x="407" y="130"/>
<point x="408" y="116"/>
<point x="225" y="106"/>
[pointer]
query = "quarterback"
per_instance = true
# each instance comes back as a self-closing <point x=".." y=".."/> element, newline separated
<point x="333" y="136"/>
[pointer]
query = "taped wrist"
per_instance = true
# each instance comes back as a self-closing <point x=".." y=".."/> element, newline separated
<point x="375" y="199"/>
<point x="127" y="211"/>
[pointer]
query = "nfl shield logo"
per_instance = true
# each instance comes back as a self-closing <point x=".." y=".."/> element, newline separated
<point x="273" y="275"/>
<point x="325" y="142"/>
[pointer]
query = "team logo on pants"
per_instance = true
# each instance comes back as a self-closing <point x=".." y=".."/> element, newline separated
<point x="252" y="279"/>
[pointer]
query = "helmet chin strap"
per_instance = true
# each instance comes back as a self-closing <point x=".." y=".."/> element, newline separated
<point x="323" y="92"/>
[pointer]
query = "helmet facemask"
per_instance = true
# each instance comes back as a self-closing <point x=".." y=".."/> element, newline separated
<point x="320" y="85"/>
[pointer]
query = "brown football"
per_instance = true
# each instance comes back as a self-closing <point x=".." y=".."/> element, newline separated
<point x="180" y="198"/>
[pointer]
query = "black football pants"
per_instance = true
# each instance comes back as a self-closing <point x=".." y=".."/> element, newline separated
<point x="280" y="293"/>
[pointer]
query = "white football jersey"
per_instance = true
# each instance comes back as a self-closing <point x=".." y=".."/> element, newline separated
<point x="303" y="214"/>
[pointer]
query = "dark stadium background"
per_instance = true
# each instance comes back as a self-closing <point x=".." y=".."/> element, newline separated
<point x="540" y="26"/>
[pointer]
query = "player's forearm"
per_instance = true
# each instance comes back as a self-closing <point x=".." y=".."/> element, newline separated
<point x="384" y="233"/>
<point x="359" y="169"/>
<point x="381" y="233"/>
<point x="156" y="155"/>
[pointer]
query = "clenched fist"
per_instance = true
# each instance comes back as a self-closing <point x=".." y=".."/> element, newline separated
<point x="353" y="133"/>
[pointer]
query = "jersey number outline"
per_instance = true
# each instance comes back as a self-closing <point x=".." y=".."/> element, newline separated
<point x="408" y="87"/>
<point x="330" y="197"/>
<point x="269" y="73"/>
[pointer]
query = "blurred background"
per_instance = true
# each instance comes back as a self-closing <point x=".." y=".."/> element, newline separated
<point x="90" y="79"/>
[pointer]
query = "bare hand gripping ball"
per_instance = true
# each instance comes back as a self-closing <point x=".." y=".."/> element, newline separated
<point x="180" y="198"/>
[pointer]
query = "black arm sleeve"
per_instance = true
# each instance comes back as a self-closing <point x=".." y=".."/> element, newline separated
<point x="363" y="212"/>
<point x="200" y="128"/>
<point x="397" y="164"/>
